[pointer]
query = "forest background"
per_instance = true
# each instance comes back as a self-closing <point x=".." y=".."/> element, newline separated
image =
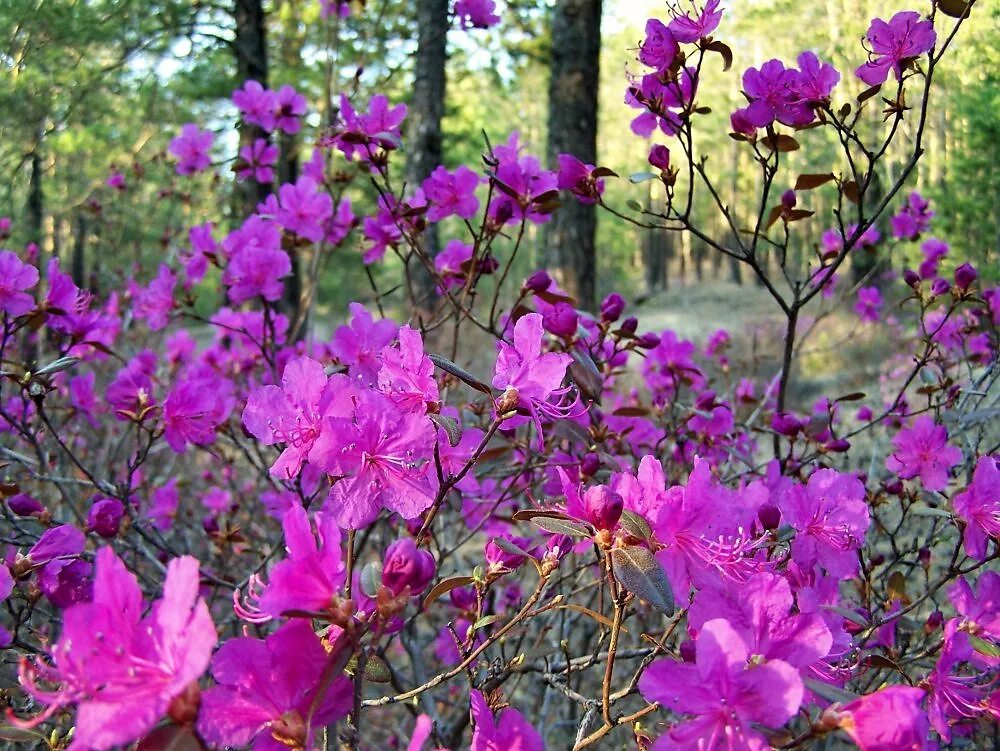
<point x="91" y="87"/>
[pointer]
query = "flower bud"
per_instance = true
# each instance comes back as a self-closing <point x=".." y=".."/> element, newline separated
<point x="838" y="445"/>
<point x="924" y="556"/>
<point x="659" y="157"/>
<point x="940" y="287"/>
<point x="687" y="650"/>
<point x="912" y="278"/>
<point x="590" y="464"/>
<point x="965" y="276"/>
<point x="630" y="324"/>
<point x="23" y="504"/>
<point x="612" y="307"/>
<point x="497" y="557"/>
<point x="649" y="340"/>
<point x="406" y="566"/>
<point x="769" y="516"/>
<point x="786" y="424"/>
<point x="788" y="199"/>
<point x="561" y="320"/>
<point x="603" y="506"/>
<point x="933" y="622"/>
<point x="105" y="517"/>
<point x="538" y="282"/>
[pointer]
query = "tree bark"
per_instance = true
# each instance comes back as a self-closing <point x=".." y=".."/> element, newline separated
<point x="425" y="151"/>
<point x="250" y="49"/>
<point x="568" y="242"/>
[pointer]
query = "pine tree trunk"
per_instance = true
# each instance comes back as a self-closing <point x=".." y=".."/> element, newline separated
<point x="576" y="47"/>
<point x="250" y="48"/>
<point x="424" y="130"/>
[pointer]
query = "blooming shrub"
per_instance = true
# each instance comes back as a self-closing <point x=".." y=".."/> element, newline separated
<point x="602" y="533"/>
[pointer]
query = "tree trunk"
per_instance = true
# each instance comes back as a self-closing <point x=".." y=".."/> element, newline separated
<point x="576" y="48"/>
<point x="424" y="117"/>
<point x="78" y="261"/>
<point x="35" y="206"/>
<point x="250" y="48"/>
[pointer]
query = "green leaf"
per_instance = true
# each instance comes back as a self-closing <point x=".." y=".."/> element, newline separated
<point x="450" y="426"/>
<point x="485" y="621"/>
<point x="562" y="526"/>
<point x="641" y="574"/>
<point x="635" y="525"/>
<point x="461" y="374"/>
<point x="641" y="177"/>
<point x="984" y="647"/>
<point x="446" y="585"/>
<point x="828" y="692"/>
<point x="371" y="578"/>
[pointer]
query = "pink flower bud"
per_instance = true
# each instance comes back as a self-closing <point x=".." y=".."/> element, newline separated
<point x="407" y="566"/>
<point x="538" y="282"/>
<point x="105" y="517"/>
<point x="561" y="320"/>
<point x="612" y="307"/>
<point x="788" y="199"/>
<point x="590" y="464"/>
<point x="23" y="504"/>
<point x="659" y="157"/>
<point x="649" y="340"/>
<point x="965" y="276"/>
<point x="602" y="506"/>
<point x="630" y="324"/>
<point x="940" y="287"/>
<point x="769" y="516"/>
<point x="912" y="278"/>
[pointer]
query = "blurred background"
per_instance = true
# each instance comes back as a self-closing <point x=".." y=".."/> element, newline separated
<point x="89" y="87"/>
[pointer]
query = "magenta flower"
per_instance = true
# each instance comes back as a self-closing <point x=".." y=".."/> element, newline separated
<point x="154" y="303"/>
<point x="382" y="456"/>
<point x="888" y="720"/>
<point x="452" y="263"/>
<point x="257" y="262"/>
<point x="761" y="612"/>
<point x="923" y="450"/>
<point x="191" y="148"/>
<point x="266" y="689"/>
<point x="687" y="29"/>
<point x="256" y="104"/>
<point x="15" y="278"/>
<point x="773" y="95"/>
<point x="529" y="377"/>
<point x="727" y="695"/>
<point x="669" y="365"/>
<point x="980" y="610"/>
<point x="660" y="100"/>
<point x="289" y="414"/>
<point x="360" y="135"/>
<point x="407" y="374"/>
<point x="289" y="106"/>
<point x="256" y="161"/>
<point x="359" y="344"/>
<point x="509" y="732"/>
<point x="869" y="304"/>
<point x="105" y="516"/>
<point x="382" y="231"/>
<point x="525" y="182"/>
<point x="130" y="395"/>
<point x="659" y="49"/>
<point x="339" y="226"/>
<point x="451" y="193"/>
<point x="830" y="517"/>
<point x="313" y="572"/>
<point x="815" y="80"/>
<point x="913" y="218"/>
<point x="894" y="44"/>
<point x="979" y="506"/>
<point x="304" y="209"/>
<point x="123" y="671"/>
<point x="193" y="411"/>
<point x="576" y="177"/>
<point x="476" y="14"/>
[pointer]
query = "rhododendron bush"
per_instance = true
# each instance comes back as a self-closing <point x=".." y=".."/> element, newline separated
<point x="493" y="520"/>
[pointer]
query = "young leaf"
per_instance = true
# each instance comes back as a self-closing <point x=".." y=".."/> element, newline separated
<point x="451" y="427"/>
<point x="808" y="182"/>
<point x="445" y="586"/>
<point x="562" y="526"/>
<point x="461" y="374"/>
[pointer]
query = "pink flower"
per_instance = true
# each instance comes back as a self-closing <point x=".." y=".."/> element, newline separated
<point x="257" y="262"/>
<point x="830" y="517"/>
<point x="980" y="610"/>
<point x="452" y="263"/>
<point x="407" y="374"/>
<point x="257" y="105"/>
<point x="304" y="209"/>
<point x="923" y="450"/>
<point x="382" y="456"/>
<point x="509" y="732"/>
<point x="529" y="377"/>
<point x="913" y="218"/>
<point x="660" y="101"/>
<point x="358" y="344"/>
<point x="191" y="148"/>
<point x="105" y="516"/>
<point x="194" y="409"/>
<point x="576" y="177"/>
<point x="15" y="278"/>
<point x="525" y="182"/>
<point x="773" y="96"/>
<point x="256" y="161"/>
<point x="266" y="690"/>
<point x="598" y="505"/>
<point x="405" y="568"/>
<point x="687" y="29"/>
<point x="869" y="304"/>
<point x="476" y="14"/>
<point x="727" y="695"/>
<point x="154" y="303"/>
<point x="979" y="506"/>
<point x="888" y="720"/>
<point x="131" y="393"/>
<point x="815" y="80"/>
<point x="339" y="226"/>
<point x="894" y="44"/>
<point x="163" y="503"/>
<point x="289" y="106"/>
<point x="123" y="671"/>
<point x="659" y="49"/>
<point x="289" y="414"/>
<point x="312" y="573"/>
<point x="451" y="193"/>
